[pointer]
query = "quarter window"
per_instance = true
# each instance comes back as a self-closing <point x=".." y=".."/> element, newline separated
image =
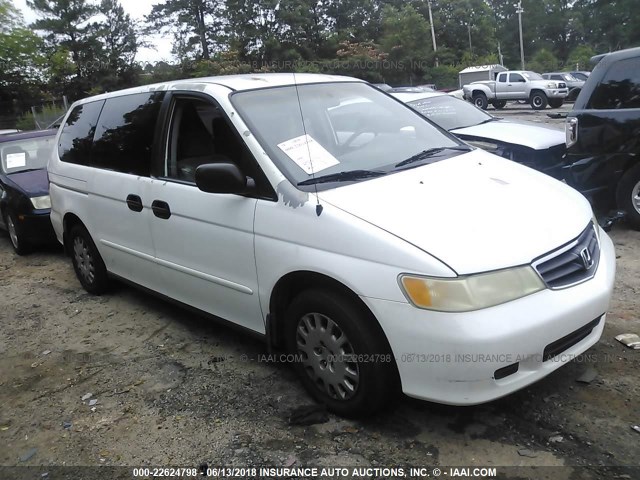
<point x="502" y="78"/>
<point x="620" y="87"/>
<point x="77" y="133"/>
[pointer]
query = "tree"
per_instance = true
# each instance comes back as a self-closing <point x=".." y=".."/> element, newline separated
<point x="403" y="38"/>
<point x="119" y="43"/>
<point x="579" y="58"/>
<point x="196" y="24"/>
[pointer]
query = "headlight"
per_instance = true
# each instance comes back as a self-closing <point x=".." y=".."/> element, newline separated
<point x="552" y="85"/>
<point x="40" y="203"/>
<point x="473" y="292"/>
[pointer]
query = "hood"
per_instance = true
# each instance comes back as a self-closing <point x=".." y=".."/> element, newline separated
<point x="475" y="212"/>
<point x="526" y="134"/>
<point x="34" y="183"/>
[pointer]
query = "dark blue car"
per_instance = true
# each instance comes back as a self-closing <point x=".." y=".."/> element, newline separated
<point x="24" y="188"/>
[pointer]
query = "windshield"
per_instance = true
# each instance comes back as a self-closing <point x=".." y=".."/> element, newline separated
<point x="450" y="112"/>
<point x="532" y="75"/>
<point x="26" y="154"/>
<point x="569" y="78"/>
<point x="350" y="127"/>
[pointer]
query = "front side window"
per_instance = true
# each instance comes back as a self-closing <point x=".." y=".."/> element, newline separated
<point x="76" y="138"/>
<point x="200" y="133"/>
<point x="124" y="134"/>
<point x="620" y="87"/>
<point x="516" y="78"/>
<point x="449" y="112"/>
<point x="342" y="131"/>
<point x="27" y="154"/>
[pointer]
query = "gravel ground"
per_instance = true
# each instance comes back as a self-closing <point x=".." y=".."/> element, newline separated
<point x="175" y="389"/>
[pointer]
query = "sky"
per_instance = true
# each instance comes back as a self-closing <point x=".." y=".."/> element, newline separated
<point x="160" y="48"/>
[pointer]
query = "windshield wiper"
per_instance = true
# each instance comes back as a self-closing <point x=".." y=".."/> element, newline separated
<point x="343" y="177"/>
<point x="431" y="153"/>
<point x="492" y="119"/>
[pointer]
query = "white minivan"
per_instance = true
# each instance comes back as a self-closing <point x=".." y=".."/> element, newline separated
<point x="349" y="231"/>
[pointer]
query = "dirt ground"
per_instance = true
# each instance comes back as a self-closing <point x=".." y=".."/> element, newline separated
<point x="176" y="389"/>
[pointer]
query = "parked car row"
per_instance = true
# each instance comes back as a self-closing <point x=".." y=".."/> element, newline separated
<point x="336" y="223"/>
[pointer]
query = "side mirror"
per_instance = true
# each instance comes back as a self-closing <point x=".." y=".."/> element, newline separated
<point x="222" y="178"/>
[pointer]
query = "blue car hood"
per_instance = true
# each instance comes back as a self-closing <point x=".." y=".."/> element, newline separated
<point x="34" y="183"/>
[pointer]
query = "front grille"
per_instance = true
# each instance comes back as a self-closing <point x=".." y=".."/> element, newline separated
<point x="572" y="264"/>
<point x="562" y="85"/>
<point x="568" y="341"/>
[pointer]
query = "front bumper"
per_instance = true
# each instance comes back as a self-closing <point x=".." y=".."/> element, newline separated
<point x="36" y="227"/>
<point x="452" y="358"/>
<point x="557" y="93"/>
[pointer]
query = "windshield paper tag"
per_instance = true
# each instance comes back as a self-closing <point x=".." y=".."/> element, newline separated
<point x="15" y="160"/>
<point x="299" y="150"/>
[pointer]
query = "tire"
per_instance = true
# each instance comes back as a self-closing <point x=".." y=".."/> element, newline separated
<point x="480" y="100"/>
<point x="556" y="102"/>
<point x="538" y="101"/>
<point x="87" y="262"/>
<point x="573" y="94"/>
<point x="499" y="104"/>
<point x="315" y="321"/>
<point x="16" y="237"/>
<point x="628" y="195"/>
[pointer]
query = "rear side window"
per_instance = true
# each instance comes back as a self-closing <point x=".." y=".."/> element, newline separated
<point x="620" y="87"/>
<point x="77" y="134"/>
<point x="124" y="135"/>
<point x="502" y="78"/>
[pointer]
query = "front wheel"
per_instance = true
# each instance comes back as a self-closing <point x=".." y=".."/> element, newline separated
<point x="18" y="242"/>
<point x="628" y="195"/>
<point x="556" y="102"/>
<point x="342" y="357"/>
<point x="480" y="100"/>
<point x="538" y="101"/>
<point x="87" y="262"/>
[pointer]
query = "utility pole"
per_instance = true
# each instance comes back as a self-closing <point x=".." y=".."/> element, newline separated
<point x="433" y="32"/>
<point x="519" y="11"/>
<point x="500" y="59"/>
<point x="469" y="29"/>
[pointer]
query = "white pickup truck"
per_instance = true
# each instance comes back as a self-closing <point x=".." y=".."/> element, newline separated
<point x="517" y="85"/>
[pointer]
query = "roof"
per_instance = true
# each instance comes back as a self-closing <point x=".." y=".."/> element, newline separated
<point x="484" y="68"/>
<point x="10" y="137"/>
<point x="619" y="55"/>
<point x="243" y="82"/>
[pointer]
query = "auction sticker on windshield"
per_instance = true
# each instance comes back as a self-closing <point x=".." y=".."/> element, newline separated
<point x="15" y="160"/>
<point x="308" y="154"/>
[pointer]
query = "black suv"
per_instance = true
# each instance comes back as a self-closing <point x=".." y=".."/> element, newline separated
<point x="603" y="134"/>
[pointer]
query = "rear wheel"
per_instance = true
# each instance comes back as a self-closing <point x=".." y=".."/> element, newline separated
<point x="556" y="102"/>
<point x="538" y="101"/>
<point x="18" y="242"/>
<point x="87" y="262"/>
<point x="499" y="104"/>
<point x="628" y="195"/>
<point x="341" y="356"/>
<point x="480" y="100"/>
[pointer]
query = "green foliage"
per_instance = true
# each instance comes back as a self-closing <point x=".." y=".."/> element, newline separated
<point x="579" y="58"/>
<point x="44" y="117"/>
<point x="543" y="61"/>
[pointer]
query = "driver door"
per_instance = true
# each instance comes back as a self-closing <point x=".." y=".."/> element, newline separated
<point x="204" y="241"/>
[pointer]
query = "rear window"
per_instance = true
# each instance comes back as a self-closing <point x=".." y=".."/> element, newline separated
<point x="620" y="87"/>
<point x="77" y="134"/>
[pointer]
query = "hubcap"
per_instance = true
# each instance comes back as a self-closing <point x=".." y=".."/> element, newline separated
<point x="13" y="234"/>
<point x="537" y="101"/>
<point x="635" y="197"/>
<point x="84" y="260"/>
<point x="478" y="102"/>
<point x="327" y="356"/>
